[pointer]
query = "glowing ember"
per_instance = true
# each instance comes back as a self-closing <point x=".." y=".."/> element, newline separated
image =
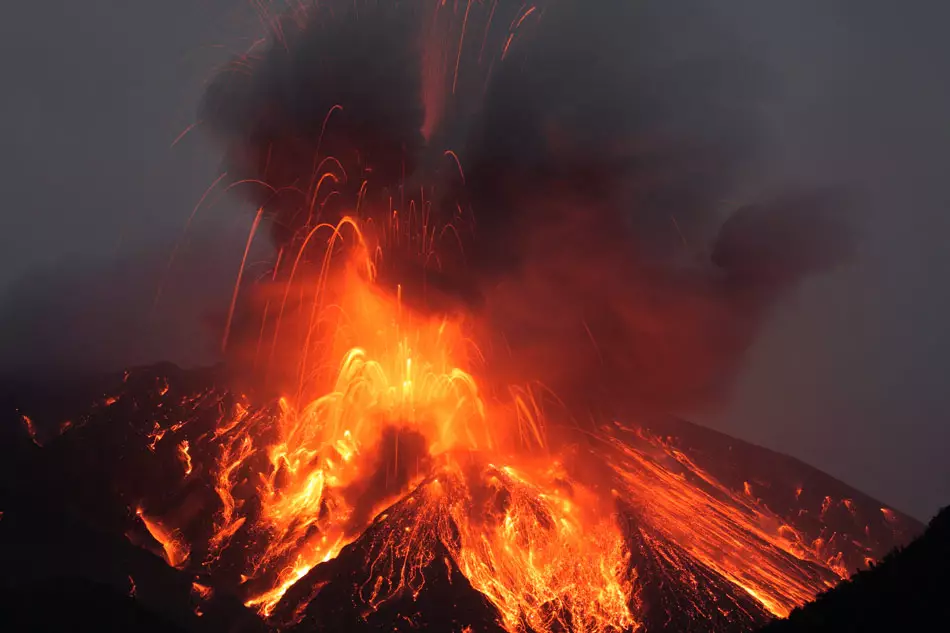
<point x="30" y="429"/>
<point x="176" y="551"/>
<point x="185" y="456"/>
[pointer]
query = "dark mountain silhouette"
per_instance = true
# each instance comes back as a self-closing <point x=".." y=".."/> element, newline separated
<point x="78" y="605"/>
<point x="907" y="591"/>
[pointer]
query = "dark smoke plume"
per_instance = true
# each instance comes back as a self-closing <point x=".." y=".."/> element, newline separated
<point x="598" y="151"/>
<point x="344" y="83"/>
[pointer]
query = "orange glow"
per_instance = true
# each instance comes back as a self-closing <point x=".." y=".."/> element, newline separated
<point x="155" y="435"/>
<point x="176" y="550"/>
<point x="544" y="542"/>
<point x="728" y="531"/>
<point x="202" y="591"/>
<point x="30" y="429"/>
<point x="184" y="456"/>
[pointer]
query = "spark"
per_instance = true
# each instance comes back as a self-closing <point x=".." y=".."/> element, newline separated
<point x="30" y="429"/>
<point x="237" y="283"/>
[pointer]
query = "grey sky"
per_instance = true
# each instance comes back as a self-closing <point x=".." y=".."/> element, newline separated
<point x="851" y="374"/>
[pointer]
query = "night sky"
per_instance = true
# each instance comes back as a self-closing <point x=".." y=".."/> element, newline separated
<point x="849" y="376"/>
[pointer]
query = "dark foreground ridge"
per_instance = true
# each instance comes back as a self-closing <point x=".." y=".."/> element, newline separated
<point x="908" y="591"/>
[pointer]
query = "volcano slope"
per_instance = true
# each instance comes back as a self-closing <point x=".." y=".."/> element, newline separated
<point x="115" y="486"/>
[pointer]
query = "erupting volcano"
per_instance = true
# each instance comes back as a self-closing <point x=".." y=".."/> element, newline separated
<point x="447" y="394"/>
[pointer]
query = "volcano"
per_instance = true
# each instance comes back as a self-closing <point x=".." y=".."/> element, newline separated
<point x="118" y="482"/>
<point x="447" y="387"/>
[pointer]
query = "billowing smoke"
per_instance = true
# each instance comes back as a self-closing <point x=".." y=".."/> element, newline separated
<point x="341" y="81"/>
<point x="603" y="146"/>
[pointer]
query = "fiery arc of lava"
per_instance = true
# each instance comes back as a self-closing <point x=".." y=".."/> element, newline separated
<point x="402" y="370"/>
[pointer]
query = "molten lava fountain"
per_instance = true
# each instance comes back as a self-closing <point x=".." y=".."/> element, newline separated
<point x="387" y="405"/>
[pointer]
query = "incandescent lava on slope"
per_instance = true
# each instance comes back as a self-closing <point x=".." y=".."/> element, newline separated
<point x="635" y="528"/>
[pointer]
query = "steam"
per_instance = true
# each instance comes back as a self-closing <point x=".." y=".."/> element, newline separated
<point x="599" y="151"/>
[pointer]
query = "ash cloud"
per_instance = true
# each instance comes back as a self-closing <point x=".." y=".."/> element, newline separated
<point x="342" y="80"/>
<point x="612" y="256"/>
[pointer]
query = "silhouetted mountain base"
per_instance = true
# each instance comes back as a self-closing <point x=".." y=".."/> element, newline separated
<point x="78" y="606"/>
<point x="908" y="591"/>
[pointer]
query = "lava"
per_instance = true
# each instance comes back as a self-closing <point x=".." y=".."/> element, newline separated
<point x="185" y="456"/>
<point x="30" y="429"/>
<point x="176" y="551"/>
<point x="399" y="411"/>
